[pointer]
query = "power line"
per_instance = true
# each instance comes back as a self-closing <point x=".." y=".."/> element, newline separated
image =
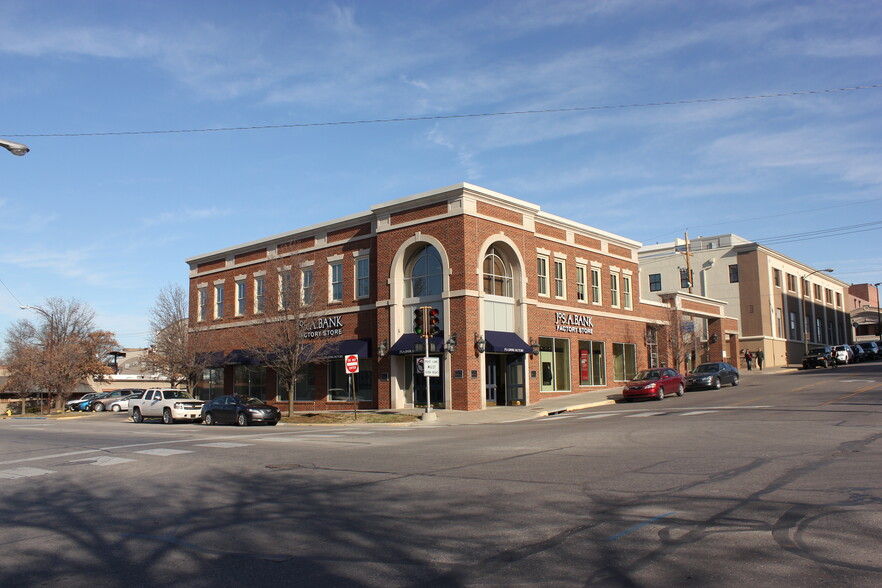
<point x="455" y="116"/>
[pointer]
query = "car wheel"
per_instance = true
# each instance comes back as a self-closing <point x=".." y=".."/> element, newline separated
<point x="208" y="419"/>
<point x="735" y="381"/>
<point x="680" y="390"/>
<point x="661" y="393"/>
<point x="115" y="408"/>
<point x="167" y="417"/>
<point x="241" y="419"/>
<point x="137" y="417"/>
<point x="716" y="384"/>
<point x="98" y="407"/>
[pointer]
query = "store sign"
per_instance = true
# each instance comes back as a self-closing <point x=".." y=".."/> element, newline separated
<point x="329" y="326"/>
<point x="574" y="323"/>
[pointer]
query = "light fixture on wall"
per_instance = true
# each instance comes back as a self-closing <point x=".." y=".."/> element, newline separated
<point x="535" y="347"/>
<point x="480" y="344"/>
<point x="450" y="344"/>
<point x="383" y="349"/>
<point x="713" y="338"/>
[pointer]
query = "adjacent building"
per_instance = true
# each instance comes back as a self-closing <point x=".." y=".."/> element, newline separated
<point x="528" y="305"/>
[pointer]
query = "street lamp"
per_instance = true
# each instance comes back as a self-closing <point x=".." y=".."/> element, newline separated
<point x="14" y="148"/>
<point x="878" y="314"/>
<point x="804" y="315"/>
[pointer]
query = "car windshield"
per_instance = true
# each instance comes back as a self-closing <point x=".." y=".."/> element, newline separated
<point x="648" y="375"/>
<point x="250" y="401"/>
<point x="706" y="368"/>
<point x="817" y="352"/>
<point x="176" y="394"/>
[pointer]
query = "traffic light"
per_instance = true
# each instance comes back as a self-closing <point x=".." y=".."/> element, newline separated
<point x="419" y="322"/>
<point x="433" y="323"/>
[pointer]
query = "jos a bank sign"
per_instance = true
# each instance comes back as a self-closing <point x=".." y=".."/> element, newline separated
<point x="573" y="323"/>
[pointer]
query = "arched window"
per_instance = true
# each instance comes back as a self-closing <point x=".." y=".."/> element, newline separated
<point x="497" y="275"/>
<point x="423" y="273"/>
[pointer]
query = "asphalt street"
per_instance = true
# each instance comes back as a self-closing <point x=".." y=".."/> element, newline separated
<point x="775" y="482"/>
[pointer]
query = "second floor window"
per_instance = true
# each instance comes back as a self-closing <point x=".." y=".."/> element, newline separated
<point x="559" y="273"/>
<point x="307" y="284"/>
<point x="733" y="273"/>
<point x="219" y="301"/>
<point x="259" y="293"/>
<point x="655" y="282"/>
<point x="497" y="275"/>
<point x="284" y="289"/>
<point x="595" y="285"/>
<point x="203" y="295"/>
<point x="542" y="275"/>
<point x="336" y="282"/>
<point x="626" y="292"/>
<point x="580" y="283"/>
<point x="614" y="289"/>
<point x="362" y="277"/>
<point x="240" y="298"/>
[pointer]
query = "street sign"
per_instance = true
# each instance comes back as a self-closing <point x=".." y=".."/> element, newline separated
<point x="351" y="362"/>
<point x="431" y="367"/>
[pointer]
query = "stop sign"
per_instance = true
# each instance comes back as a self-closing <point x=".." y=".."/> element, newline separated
<point x="351" y="362"/>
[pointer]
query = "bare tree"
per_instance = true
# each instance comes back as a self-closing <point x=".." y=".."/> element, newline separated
<point x="65" y="345"/>
<point x="291" y="317"/>
<point x="174" y="342"/>
<point x="21" y="358"/>
<point x="680" y="338"/>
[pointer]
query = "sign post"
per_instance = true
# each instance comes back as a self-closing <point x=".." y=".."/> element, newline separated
<point x="351" y="363"/>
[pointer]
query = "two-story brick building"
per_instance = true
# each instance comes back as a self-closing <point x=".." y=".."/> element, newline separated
<point x="530" y="305"/>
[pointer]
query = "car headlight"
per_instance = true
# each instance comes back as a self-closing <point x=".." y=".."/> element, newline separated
<point x="649" y="386"/>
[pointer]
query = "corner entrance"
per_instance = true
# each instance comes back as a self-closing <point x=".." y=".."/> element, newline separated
<point x="504" y="385"/>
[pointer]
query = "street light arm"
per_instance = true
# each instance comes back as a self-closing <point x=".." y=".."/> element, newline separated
<point x="14" y="148"/>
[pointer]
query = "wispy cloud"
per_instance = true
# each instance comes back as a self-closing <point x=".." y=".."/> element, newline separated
<point x="186" y="216"/>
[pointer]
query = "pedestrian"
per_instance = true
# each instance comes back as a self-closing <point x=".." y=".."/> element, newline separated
<point x="748" y="358"/>
<point x="760" y="357"/>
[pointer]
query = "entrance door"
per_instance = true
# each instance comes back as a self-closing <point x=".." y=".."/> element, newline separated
<point x="419" y="385"/>
<point x="515" y="388"/>
<point x="492" y="384"/>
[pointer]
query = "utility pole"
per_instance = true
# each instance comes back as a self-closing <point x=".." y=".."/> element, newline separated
<point x="688" y="255"/>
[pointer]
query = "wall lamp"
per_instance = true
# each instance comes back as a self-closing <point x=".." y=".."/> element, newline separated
<point x="450" y="345"/>
<point x="480" y="344"/>
<point x="383" y="349"/>
<point x="535" y="347"/>
<point x="713" y="338"/>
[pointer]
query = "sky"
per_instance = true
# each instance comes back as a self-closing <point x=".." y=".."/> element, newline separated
<point x="652" y="126"/>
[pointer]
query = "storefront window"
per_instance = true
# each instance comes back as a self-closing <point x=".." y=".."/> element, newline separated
<point x="592" y="363"/>
<point x="212" y="384"/>
<point x="249" y="380"/>
<point x="554" y="362"/>
<point x="624" y="361"/>
<point x="304" y="389"/>
<point x="338" y="381"/>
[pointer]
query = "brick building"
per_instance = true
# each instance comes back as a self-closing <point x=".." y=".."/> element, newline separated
<point x="530" y="305"/>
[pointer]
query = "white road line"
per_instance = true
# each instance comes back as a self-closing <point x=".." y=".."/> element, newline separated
<point x="277" y="439"/>
<point x="163" y="452"/>
<point x="104" y="460"/>
<point x="223" y="444"/>
<point x="16" y="473"/>
<point x="694" y="412"/>
<point x="597" y="416"/>
<point x="645" y="414"/>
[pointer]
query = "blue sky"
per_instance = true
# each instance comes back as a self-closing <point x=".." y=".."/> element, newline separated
<point x="109" y="219"/>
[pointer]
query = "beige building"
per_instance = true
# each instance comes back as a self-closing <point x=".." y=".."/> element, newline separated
<point x="783" y="306"/>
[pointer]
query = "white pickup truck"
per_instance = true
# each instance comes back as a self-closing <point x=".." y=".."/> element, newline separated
<point x="169" y="404"/>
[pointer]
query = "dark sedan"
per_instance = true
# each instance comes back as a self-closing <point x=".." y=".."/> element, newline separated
<point x="712" y="375"/>
<point x="242" y="410"/>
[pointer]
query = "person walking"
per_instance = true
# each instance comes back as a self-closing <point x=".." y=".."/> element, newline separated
<point x="748" y="358"/>
<point x="760" y="357"/>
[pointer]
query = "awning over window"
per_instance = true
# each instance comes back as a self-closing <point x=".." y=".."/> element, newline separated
<point x="504" y="342"/>
<point x="241" y="357"/>
<point x="412" y="344"/>
<point x="210" y="358"/>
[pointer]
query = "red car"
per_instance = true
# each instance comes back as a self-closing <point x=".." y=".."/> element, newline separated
<point x="655" y="383"/>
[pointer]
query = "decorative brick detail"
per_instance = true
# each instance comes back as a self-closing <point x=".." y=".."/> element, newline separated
<point x="349" y="233"/>
<point x="418" y="213"/>
<point x="251" y="256"/>
<point x="501" y="213"/>
<point x="549" y="231"/>
<point x="585" y="241"/>
<point x="688" y="305"/>
<point x="211" y="266"/>
<point x="293" y="246"/>
<point x="620" y="251"/>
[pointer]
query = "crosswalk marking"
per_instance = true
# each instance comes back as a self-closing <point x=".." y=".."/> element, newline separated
<point x="223" y="444"/>
<point x="597" y="416"/>
<point x="694" y="412"/>
<point x="16" y="473"/>
<point x="162" y="452"/>
<point x="104" y="460"/>
<point x="645" y="414"/>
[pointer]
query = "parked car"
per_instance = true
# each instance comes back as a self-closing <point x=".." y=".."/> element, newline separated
<point x="242" y="410"/>
<point x="818" y="357"/>
<point x="104" y="401"/>
<point x="843" y="354"/>
<point x="654" y="383"/>
<point x="871" y="349"/>
<point x="122" y="404"/>
<point x="169" y="404"/>
<point x="859" y="353"/>
<point x="712" y="375"/>
<point x="74" y="403"/>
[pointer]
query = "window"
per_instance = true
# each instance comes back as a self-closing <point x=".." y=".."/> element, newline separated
<point x="203" y="295"/>
<point x="595" y="285"/>
<point x="776" y="273"/>
<point x="779" y="320"/>
<point x="559" y="274"/>
<point x="626" y="292"/>
<point x="592" y="364"/>
<point x="791" y="282"/>
<point x="304" y="387"/>
<point x="624" y="361"/>
<point x="249" y="380"/>
<point x="307" y="283"/>
<point x="284" y="289"/>
<point x="655" y="282"/>
<point x="818" y="290"/>
<point x="554" y="362"/>
<point x="259" y="293"/>
<point x="838" y="299"/>
<point x="219" y="301"/>
<point x="794" y="331"/>
<point x="806" y="288"/>
<point x="240" y="297"/>
<point x="733" y="273"/>
<point x="685" y="278"/>
<point x="497" y="275"/>
<point x="828" y="295"/>
<point x="362" y="277"/>
<point x="819" y="331"/>
<point x="614" y="290"/>
<point x="212" y="384"/>
<point x="580" y="283"/>
<point x="336" y="282"/>
<point x="338" y="381"/>
<point x="542" y="275"/>
<point x="423" y="273"/>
